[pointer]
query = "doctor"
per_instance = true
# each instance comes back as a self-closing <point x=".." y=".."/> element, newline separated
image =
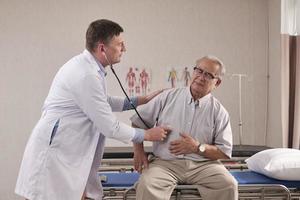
<point x="65" y="148"/>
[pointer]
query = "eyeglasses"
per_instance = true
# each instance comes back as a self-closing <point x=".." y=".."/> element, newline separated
<point x="206" y="75"/>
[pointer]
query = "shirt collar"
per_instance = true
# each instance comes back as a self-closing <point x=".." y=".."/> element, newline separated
<point x="101" y="68"/>
<point x="97" y="65"/>
<point x="198" y="102"/>
<point x="189" y="96"/>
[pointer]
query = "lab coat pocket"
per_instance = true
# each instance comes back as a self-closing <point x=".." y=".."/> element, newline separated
<point x="71" y="149"/>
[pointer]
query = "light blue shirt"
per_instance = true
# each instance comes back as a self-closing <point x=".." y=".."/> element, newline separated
<point x="205" y="119"/>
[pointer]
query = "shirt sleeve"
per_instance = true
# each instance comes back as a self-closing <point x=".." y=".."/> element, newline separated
<point x="149" y="112"/>
<point x="119" y="104"/>
<point x="128" y="104"/>
<point x="116" y="103"/>
<point x="139" y="136"/>
<point x="223" y="132"/>
<point x="90" y="96"/>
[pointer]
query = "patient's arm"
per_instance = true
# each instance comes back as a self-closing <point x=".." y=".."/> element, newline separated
<point x="186" y="144"/>
<point x="146" y="98"/>
<point x="214" y="153"/>
<point x="140" y="157"/>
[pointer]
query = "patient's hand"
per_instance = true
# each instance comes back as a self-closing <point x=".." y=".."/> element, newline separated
<point x="185" y="145"/>
<point x="140" y="158"/>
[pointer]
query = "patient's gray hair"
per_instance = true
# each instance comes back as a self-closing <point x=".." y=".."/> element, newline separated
<point x="216" y="60"/>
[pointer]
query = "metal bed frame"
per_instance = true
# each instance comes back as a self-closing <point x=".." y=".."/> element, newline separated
<point x="116" y="162"/>
<point x="125" y="189"/>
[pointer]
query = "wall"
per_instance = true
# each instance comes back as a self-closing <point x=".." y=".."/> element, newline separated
<point x="37" y="37"/>
<point x="274" y="133"/>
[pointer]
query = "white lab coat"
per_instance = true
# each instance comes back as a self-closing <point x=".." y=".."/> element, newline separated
<point x="63" y="169"/>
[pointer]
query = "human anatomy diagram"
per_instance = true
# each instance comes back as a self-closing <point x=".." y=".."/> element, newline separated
<point x="138" y="81"/>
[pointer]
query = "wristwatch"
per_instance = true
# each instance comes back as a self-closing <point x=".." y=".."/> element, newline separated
<point x="202" y="148"/>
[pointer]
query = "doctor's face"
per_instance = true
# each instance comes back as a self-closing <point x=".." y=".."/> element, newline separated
<point x="114" y="49"/>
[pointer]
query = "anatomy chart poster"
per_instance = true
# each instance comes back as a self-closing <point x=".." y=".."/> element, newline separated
<point x="138" y="81"/>
<point x="178" y="76"/>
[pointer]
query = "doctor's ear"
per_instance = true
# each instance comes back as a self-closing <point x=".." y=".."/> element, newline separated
<point x="101" y="47"/>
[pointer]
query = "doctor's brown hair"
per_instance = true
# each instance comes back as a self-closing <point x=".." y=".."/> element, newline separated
<point x="101" y="30"/>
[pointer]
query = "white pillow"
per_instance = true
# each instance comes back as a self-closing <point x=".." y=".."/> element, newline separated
<point x="279" y="163"/>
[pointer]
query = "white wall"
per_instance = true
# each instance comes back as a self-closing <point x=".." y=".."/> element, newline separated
<point x="37" y="37"/>
<point x="274" y="134"/>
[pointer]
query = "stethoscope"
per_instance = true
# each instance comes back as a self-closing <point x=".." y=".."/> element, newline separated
<point x="112" y="69"/>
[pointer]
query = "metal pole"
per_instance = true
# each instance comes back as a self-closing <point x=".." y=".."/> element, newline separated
<point x="240" y="76"/>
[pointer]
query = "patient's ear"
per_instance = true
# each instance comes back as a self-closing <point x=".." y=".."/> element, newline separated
<point x="218" y="82"/>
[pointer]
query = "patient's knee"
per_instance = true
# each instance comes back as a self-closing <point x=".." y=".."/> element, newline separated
<point x="231" y="182"/>
<point x="231" y="186"/>
<point x="147" y="181"/>
<point x="144" y="180"/>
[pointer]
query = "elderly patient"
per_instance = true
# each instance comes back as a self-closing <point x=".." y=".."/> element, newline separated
<point x="201" y="134"/>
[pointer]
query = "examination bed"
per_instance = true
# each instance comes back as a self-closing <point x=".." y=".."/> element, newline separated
<point x="120" y="185"/>
<point x="118" y="177"/>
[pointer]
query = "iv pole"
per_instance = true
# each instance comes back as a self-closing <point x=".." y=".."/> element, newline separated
<point x="240" y="76"/>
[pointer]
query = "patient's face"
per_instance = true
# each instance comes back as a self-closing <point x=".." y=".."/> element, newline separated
<point x="201" y="86"/>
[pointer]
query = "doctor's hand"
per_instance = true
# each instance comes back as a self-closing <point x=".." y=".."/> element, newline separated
<point x="158" y="133"/>
<point x="145" y="99"/>
<point x="140" y="158"/>
<point x="185" y="145"/>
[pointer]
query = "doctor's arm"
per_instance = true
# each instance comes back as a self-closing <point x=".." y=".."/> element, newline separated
<point x="89" y="94"/>
<point x="146" y="98"/>
<point x="119" y="104"/>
